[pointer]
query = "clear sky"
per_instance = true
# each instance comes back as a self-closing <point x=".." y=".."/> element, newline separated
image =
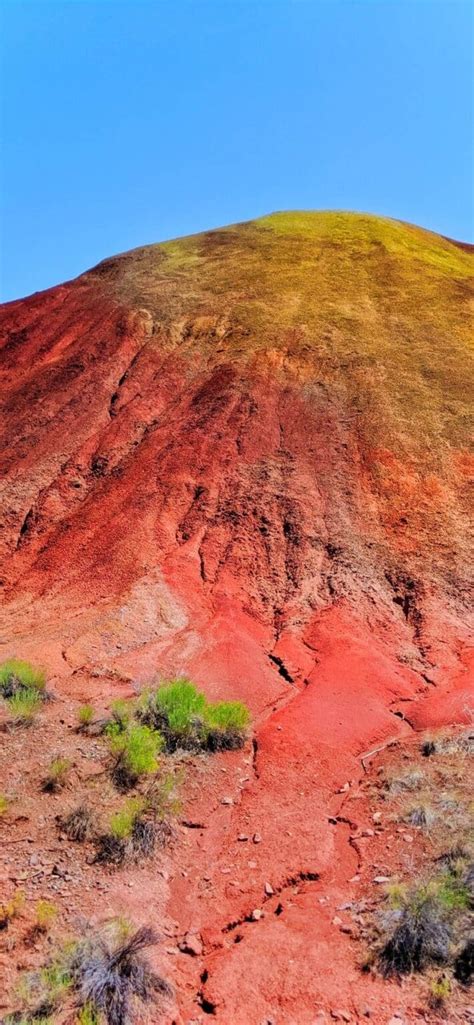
<point x="130" y="122"/>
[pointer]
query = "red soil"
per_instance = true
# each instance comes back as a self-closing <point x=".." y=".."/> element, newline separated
<point x="173" y="508"/>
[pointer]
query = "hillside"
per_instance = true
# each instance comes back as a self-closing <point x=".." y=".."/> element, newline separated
<point x="242" y="456"/>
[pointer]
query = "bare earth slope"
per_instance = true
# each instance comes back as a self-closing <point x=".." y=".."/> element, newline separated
<point x="243" y="456"/>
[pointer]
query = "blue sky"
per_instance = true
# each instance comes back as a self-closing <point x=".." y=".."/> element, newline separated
<point x="129" y="122"/>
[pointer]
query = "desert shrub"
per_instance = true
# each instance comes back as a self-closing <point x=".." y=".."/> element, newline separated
<point x="440" y="990"/>
<point x="121" y="716"/>
<point x="122" y="821"/>
<point x="177" y="711"/>
<point x="136" y="829"/>
<point x="103" y="978"/>
<point x="85" y="716"/>
<point x="56" y="776"/>
<point x="186" y="720"/>
<point x="116" y="845"/>
<point x="225" y="725"/>
<point x="112" y="978"/>
<point x="78" y="824"/>
<point x="4" y="804"/>
<point x="23" y="705"/>
<point x="88" y="1016"/>
<point x="16" y="675"/>
<point x="135" y="751"/>
<point x="45" y="914"/>
<point x="42" y="992"/>
<point x="411" y="779"/>
<point x="161" y="797"/>
<point x="464" y="963"/>
<point x="11" y="909"/>
<point x="420" y="938"/>
<point x="421" y="815"/>
<point x="452" y="892"/>
<point x="144" y="838"/>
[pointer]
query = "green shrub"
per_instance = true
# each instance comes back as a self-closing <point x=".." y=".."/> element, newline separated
<point x="452" y="892"/>
<point x="121" y="716"/>
<point x="42" y="992"/>
<point x="88" y="1016"/>
<point x="46" y="912"/>
<point x="179" y="711"/>
<point x="186" y="720"/>
<point x="85" y="715"/>
<point x="116" y="845"/>
<point x="136" y="752"/>
<point x="23" y="705"/>
<point x="225" y="725"/>
<point x="57" y="775"/>
<point x="440" y="990"/>
<point x="12" y="908"/>
<point x="139" y="826"/>
<point x="4" y="804"/>
<point x="16" y="675"/>
<point x="122" y="821"/>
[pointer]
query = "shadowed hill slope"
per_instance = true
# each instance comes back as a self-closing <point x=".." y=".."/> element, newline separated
<point x="243" y="455"/>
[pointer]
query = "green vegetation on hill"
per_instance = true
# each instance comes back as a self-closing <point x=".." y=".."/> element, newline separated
<point x="313" y="293"/>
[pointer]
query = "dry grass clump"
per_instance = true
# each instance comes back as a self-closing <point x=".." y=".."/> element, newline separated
<point x="57" y="775"/>
<point x="103" y="978"/>
<point x="142" y="824"/>
<point x="11" y="909"/>
<point x="78" y="824"/>
<point x="23" y="688"/>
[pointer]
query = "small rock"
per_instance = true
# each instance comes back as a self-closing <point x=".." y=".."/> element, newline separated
<point x="367" y="832"/>
<point x="227" y="800"/>
<point x="407" y="838"/>
<point x="336" y="920"/>
<point x="355" y="879"/>
<point x="252" y="864"/>
<point x="269" y="889"/>
<point x="256" y="915"/>
<point x="381" y="879"/>
<point x="242" y="837"/>
<point x="257" y="838"/>
<point x="376" y="817"/>
<point x="191" y="944"/>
